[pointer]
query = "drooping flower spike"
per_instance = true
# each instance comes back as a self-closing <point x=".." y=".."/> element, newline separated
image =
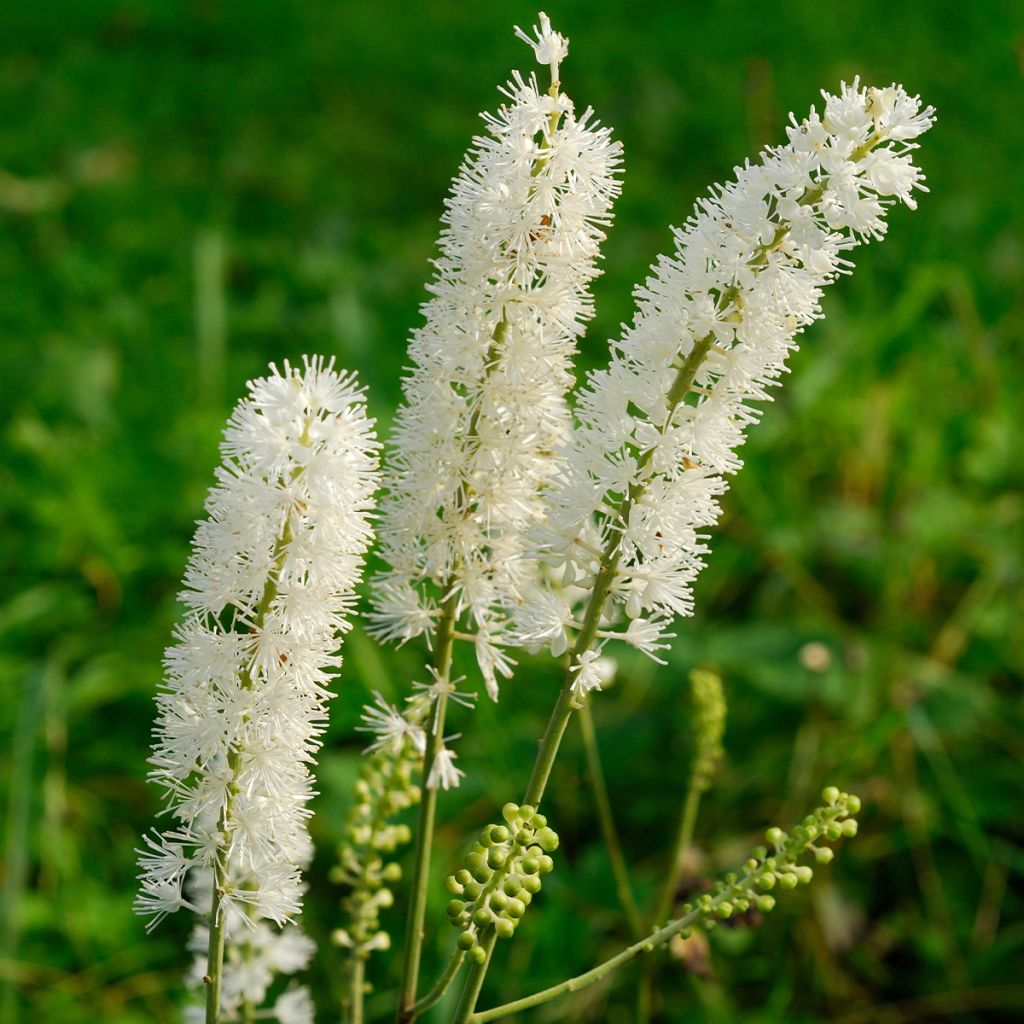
<point x="715" y="324"/>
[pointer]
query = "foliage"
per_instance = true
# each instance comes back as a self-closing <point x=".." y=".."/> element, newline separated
<point x="189" y="192"/>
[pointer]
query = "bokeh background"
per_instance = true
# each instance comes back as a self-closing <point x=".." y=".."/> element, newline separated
<point x="188" y="190"/>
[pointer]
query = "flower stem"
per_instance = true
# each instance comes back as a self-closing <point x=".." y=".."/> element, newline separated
<point x="645" y="945"/>
<point x="218" y="936"/>
<point x="607" y="820"/>
<point x="684" y="838"/>
<point x="439" y="989"/>
<point x="475" y="980"/>
<point x="443" y="642"/>
<point x="358" y="983"/>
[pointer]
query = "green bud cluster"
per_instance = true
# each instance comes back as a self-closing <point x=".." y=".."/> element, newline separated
<point x="776" y="867"/>
<point x="369" y="836"/>
<point x="502" y="874"/>
<point x="708" y="726"/>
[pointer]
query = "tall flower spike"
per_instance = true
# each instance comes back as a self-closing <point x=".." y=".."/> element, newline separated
<point x="484" y="406"/>
<point x="267" y="590"/>
<point x="715" y="323"/>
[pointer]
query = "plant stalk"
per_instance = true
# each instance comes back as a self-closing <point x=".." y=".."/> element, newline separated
<point x="607" y="820"/>
<point x="443" y="642"/>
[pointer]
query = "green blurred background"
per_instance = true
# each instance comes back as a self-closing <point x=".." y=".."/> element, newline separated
<point x="188" y="190"/>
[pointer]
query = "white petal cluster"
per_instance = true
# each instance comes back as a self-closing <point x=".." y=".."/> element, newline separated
<point x="259" y="954"/>
<point x="267" y="590"/>
<point x="660" y="427"/>
<point x="484" y="402"/>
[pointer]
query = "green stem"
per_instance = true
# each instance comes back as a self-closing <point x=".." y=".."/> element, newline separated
<point x="439" y="989"/>
<point x="607" y="820"/>
<point x="684" y="838"/>
<point x="443" y="642"/>
<point x="215" y="949"/>
<point x="657" y="938"/>
<point x="358" y="986"/>
<point x="475" y="980"/>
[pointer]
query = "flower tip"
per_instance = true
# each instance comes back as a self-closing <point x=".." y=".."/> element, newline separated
<point x="550" y="47"/>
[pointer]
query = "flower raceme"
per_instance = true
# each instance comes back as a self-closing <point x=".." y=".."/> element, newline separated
<point x="267" y="592"/>
<point x="660" y="427"/>
<point x="484" y="407"/>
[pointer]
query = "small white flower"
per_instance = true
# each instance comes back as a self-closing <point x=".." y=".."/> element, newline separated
<point x="294" y="1007"/>
<point x="592" y="672"/>
<point x="390" y="726"/>
<point x="443" y="773"/>
<point x="550" y="47"/>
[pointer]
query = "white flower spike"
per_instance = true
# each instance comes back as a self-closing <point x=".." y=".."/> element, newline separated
<point x="716" y="321"/>
<point x="267" y="590"/>
<point x="484" y="402"/>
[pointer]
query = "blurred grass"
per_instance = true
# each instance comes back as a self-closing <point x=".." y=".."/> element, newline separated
<point x="189" y="190"/>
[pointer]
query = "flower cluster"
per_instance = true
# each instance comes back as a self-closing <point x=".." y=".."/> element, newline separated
<point x="715" y="324"/>
<point x="267" y="590"/>
<point x="708" y="726"/>
<point x="370" y="836"/>
<point x="779" y="867"/>
<point x="484" y="403"/>
<point x="502" y="875"/>
<point x="258" y="955"/>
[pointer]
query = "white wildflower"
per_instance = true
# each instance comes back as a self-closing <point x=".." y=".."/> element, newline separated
<point x="267" y="591"/>
<point x="484" y="406"/>
<point x="443" y="774"/>
<point x="715" y="323"/>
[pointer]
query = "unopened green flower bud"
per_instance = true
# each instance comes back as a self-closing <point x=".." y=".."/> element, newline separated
<point x="765" y="902"/>
<point x="833" y="831"/>
<point x="511" y="885"/>
<point x="775" y="836"/>
<point x="466" y="940"/>
<point x="788" y="881"/>
<point x="499" y="833"/>
<point x="392" y="873"/>
<point x="453" y="886"/>
<point x="538" y="821"/>
<point x="853" y="803"/>
<point x="516" y="907"/>
<point x="765" y="881"/>
<point x="823" y="854"/>
<point x="527" y="811"/>
<point x="849" y="827"/>
<point x="504" y="927"/>
<point x="547" y="839"/>
<point x="496" y="858"/>
<point x="455" y="907"/>
<point x="498" y="901"/>
<point x="547" y="865"/>
<point x="531" y="883"/>
<point x="803" y="873"/>
<point x="473" y="889"/>
<point x="531" y="865"/>
<point x="463" y="876"/>
<point x="724" y="909"/>
<point x="830" y="795"/>
<point x="510" y="811"/>
<point x="482" y="917"/>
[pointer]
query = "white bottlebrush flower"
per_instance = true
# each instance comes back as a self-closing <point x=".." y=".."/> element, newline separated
<point x="267" y="591"/>
<point x="715" y="323"/>
<point x="484" y="401"/>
